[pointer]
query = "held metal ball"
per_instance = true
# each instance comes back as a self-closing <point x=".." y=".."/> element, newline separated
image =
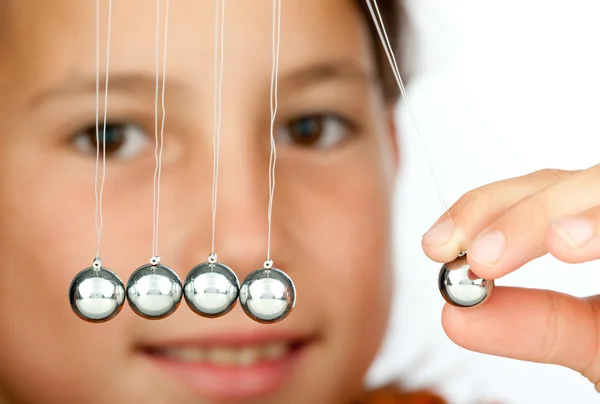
<point x="96" y="295"/>
<point x="154" y="291"/>
<point x="211" y="289"/>
<point x="460" y="286"/>
<point x="267" y="295"/>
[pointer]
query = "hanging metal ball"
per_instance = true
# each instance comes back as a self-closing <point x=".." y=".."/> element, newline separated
<point x="154" y="291"/>
<point x="267" y="295"/>
<point x="460" y="286"/>
<point x="211" y="289"/>
<point x="96" y="294"/>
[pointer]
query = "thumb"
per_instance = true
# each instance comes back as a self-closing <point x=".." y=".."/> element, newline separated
<point x="532" y="325"/>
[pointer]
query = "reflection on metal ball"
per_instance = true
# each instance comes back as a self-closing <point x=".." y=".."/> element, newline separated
<point x="154" y="291"/>
<point x="96" y="295"/>
<point x="267" y="295"/>
<point x="460" y="286"/>
<point x="211" y="289"/>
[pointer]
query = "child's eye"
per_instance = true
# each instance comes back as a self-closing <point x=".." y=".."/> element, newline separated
<point x="316" y="131"/>
<point x="123" y="141"/>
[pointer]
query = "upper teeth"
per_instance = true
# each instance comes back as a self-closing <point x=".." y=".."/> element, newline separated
<point x="229" y="356"/>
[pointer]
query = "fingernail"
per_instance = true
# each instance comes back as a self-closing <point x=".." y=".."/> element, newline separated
<point x="488" y="248"/>
<point x="576" y="231"/>
<point x="439" y="234"/>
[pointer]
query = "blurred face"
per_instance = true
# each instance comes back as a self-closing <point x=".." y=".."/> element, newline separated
<point x="335" y="168"/>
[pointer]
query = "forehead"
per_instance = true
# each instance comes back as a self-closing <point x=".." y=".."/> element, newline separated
<point x="60" y="34"/>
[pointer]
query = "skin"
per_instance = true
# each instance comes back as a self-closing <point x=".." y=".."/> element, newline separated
<point x="332" y="205"/>
<point x="506" y="224"/>
<point x="332" y="208"/>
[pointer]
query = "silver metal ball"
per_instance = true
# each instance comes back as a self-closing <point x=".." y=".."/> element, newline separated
<point x="211" y="290"/>
<point x="154" y="291"/>
<point x="460" y="286"/>
<point x="96" y="295"/>
<point x="267" y="295"/>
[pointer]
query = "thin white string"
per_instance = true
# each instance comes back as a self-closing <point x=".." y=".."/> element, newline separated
<point x="275" y="43"/>
<point x="162" y="129"/>
<point x="156" y="143"/>
<point x="97" y="126"/>
<point x="99" y="198"/>
<point x="215" y="121"/>
<point x="218" y="107"/>
<point x="380" y="26"/>
<point x="158" y="150"/>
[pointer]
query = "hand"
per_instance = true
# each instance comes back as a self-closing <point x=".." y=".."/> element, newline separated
<point x="504" y="225"/>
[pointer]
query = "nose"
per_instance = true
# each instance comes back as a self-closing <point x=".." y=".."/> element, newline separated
<point x="241" y="226"/>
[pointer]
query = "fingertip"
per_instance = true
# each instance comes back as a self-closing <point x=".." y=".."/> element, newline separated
<point x="572" y="241"/>
<point x="557" y="246"/>
<point x="436" y="254"/>
<point x="486" y="253"/>
<point x="440" y="233"/>
<point x="454" y="324"/>
<point x="481" y="270"/>
<point x="442" y="253"/>
<point x="448" y="323"/>
<point x="466" y="327"/>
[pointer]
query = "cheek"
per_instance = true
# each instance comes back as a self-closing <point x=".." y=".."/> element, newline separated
<point x="356" y="236"/>
<point x="341" y="229"/>
<point x="46" y="236"/>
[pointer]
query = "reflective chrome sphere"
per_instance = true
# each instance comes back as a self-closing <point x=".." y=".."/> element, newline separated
<point x="267" y="295"/>
<point x="211" y="290"/>
<point x="154" y="291"/>
<point x="96" y="295"/>
<point x="460" y="286"/>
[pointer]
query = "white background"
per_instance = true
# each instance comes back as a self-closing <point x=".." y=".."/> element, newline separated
<point x="503" y="88"/>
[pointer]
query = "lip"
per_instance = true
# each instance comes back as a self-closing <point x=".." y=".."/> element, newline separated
<point x="227" y="383"/>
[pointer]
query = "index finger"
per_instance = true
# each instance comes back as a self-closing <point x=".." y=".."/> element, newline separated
<point x="454" y="231"/>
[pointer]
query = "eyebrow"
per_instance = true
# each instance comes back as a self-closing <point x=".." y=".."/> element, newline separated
<point x="329" y="71"/>
<point x="136" y="83"/>
<point x="145" y="84"/>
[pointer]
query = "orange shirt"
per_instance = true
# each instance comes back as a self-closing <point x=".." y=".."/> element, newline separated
<point x="391" y="395"/>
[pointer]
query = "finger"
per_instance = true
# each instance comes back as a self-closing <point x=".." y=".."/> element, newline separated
<point x="575" y="239"/>
<point x="478" y="208"/>
<point x="518" y="235"/>
<point x="532" y="325"/>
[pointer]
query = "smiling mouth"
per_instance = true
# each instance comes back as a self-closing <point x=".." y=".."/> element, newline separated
<point x="227" y="357"/>
<point x="234" y="369"/>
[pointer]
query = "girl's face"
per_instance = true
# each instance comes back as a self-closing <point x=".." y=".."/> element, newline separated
<point x="331" y="218"/>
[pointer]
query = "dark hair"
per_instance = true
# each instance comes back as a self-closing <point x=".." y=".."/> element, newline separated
<point x="395" y="20"/>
